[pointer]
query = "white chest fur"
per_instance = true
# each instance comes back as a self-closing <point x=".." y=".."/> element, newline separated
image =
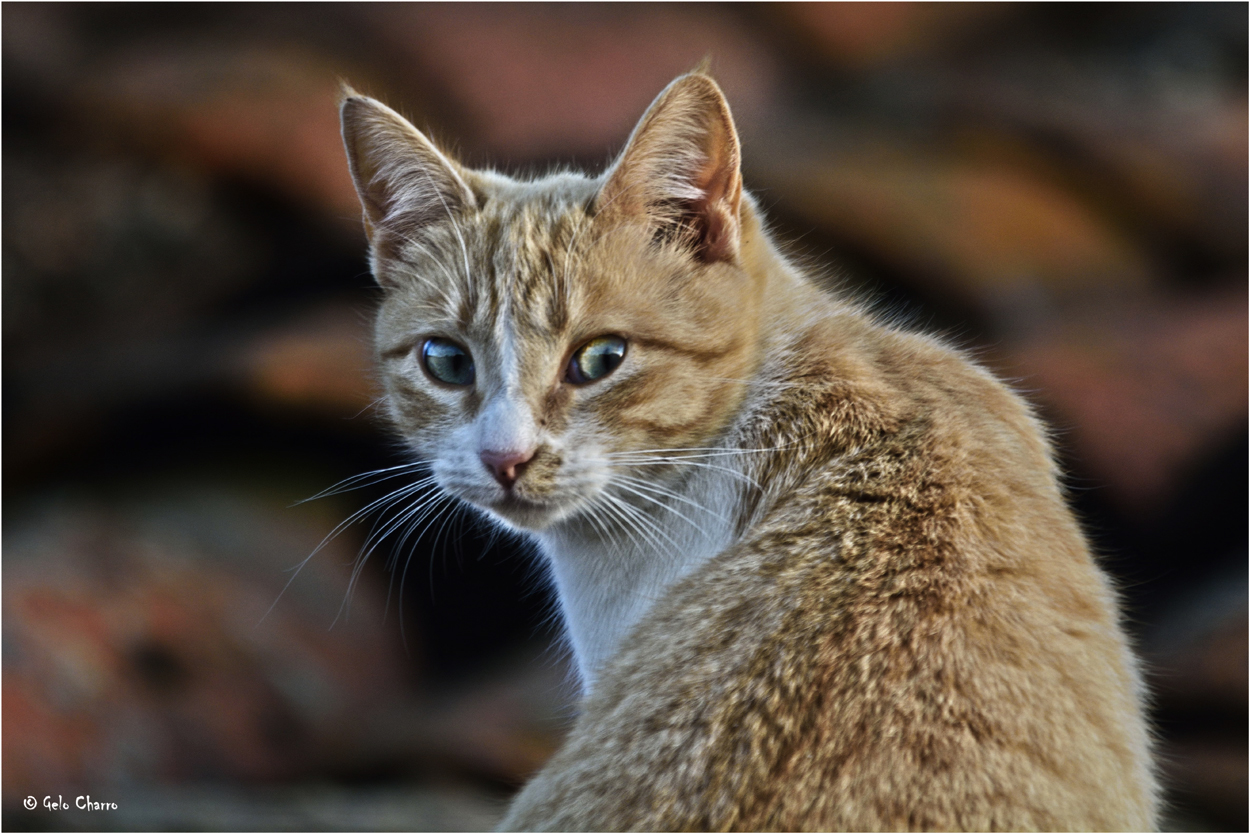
<point x="608" y="573"/>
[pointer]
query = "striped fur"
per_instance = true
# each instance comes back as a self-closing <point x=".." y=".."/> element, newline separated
<point x="817" y="573"/>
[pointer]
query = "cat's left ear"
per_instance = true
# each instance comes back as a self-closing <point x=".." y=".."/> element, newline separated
<point x="680" y="170"/>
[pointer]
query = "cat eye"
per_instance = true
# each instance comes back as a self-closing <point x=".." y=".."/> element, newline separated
<point x="447" y="362"/>
<point x="596" y="359"/>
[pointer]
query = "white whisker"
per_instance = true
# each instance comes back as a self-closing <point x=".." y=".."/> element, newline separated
<point x="641" y="517"/>
<point x="639" y="483"/>
<point x="404" y="574"/>
<point x="650" y="461"/>
<point x="710" y="451"/>
<point x="376" y="537"/>
<point x="363" y="479"/>
<point x="653" y="500"/>
<point x="389" y="498"/>
<point x="633" y="532"/>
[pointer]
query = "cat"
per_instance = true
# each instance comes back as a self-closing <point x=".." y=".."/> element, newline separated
<point x="817" y="572"/>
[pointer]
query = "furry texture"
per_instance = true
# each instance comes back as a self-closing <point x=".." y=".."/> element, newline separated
<point x="817" y="573"/>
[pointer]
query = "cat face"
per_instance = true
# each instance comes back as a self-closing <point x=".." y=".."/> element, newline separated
<point x="544" y="344"/>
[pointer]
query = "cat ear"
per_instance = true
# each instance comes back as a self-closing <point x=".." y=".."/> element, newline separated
<point x="680" y="169"/>
<point x="402" y="179"/>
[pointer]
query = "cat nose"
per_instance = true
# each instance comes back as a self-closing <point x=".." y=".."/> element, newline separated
<point x="506" y="466"/>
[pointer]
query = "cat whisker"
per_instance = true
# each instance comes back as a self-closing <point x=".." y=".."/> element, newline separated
<point x="657" y="502"/>
<point x="389" y="498"/>
<point x="493" y="535"/>
<point x="376" y="537"/>
<point x="641" y="458"/>
<point x="408" y="563"/>
<point x="713" y="450"/>
<point x="623" y="523"/>
<point x="365" y="479"/>
<point x="613" y="525"/>
<point x="414" y="518"/>
<point x="415" y="523"/>
<point x="377" y="401"/>
<point x="651" y="461"/>
<point x="667" y="493"/>
<point x="656" y="528"/>
<point x="633" y="512"/>
<point x="596" y="513"/>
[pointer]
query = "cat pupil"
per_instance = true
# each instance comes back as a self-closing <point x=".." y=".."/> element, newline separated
<point x="447" y="362"/>
<point x="596" y="359"/>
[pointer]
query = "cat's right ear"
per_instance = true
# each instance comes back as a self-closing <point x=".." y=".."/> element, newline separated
<point x="403" y="181"/>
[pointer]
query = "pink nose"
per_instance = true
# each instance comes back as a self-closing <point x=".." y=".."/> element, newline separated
<point x="506" y="466"/>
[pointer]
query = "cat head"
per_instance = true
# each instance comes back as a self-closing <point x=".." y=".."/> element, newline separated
<point x="543" y="342"/>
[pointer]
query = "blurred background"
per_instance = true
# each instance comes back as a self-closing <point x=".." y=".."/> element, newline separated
<point x="1062" y="189"/>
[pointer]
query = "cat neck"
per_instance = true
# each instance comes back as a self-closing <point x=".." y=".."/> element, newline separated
<point x="608" y="573"/>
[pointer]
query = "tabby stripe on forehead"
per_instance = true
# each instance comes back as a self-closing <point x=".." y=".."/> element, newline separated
<point x="481" y="299"/>
<point x="557" y="303"/>
<point x="467" y="308"/>
<point x="558" y="312"/>
<point x="561" y="250"/>
<point x="530" y="285"/>
<point x="497" y="294"/>
<point x="541" y="310"/>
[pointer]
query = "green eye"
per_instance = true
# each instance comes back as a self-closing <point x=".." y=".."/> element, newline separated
<point x="447" y="362"/>
<point x="596" y="359"/>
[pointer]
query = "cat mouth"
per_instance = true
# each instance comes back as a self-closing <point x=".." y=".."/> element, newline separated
<point x="525" y="512"/>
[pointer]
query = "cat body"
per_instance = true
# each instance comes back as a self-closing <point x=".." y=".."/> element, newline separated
<point x="817" y="573"/>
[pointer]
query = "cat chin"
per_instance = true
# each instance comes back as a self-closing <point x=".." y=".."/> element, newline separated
<point x="514" y="512"/>
<point x="525" y="516"/>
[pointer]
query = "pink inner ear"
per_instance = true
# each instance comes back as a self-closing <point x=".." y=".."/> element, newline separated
<point x="720" y="238"/>
<point x="680" y="170"/>
<point x="717" y="211"/>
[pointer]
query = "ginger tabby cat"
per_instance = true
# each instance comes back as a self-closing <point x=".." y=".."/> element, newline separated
<point x="817" y="572"/>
